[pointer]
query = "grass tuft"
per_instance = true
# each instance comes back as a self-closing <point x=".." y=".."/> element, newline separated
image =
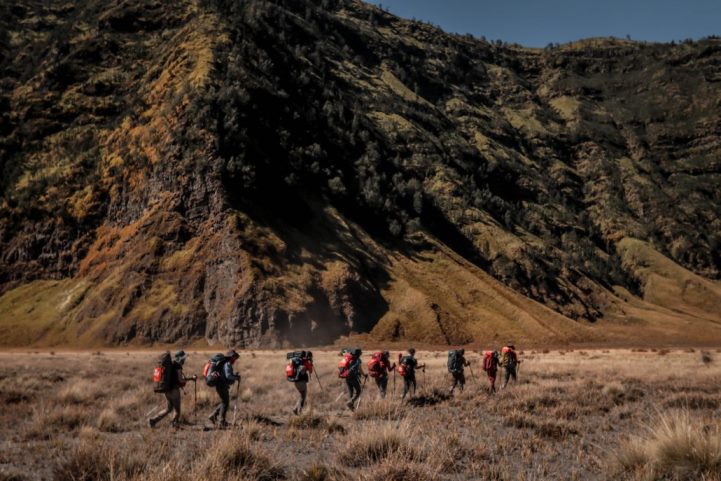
<point x="375" y="444"/>
<point x="677" y="447"/>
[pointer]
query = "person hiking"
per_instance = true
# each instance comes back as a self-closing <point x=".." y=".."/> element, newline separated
<point x="509" y="361"/>
<point x="221" y="370"/>
<point x="173" y="381"/>
<point x="378" y="367"/>
<point x="351" y="369"/>
<point x="490" y="365"/>
<point x="407" y="366"/>
<point x="456" y="364"/>
<point x="298" y="371"/>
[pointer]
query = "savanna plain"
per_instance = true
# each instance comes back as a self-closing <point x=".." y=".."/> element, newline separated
<point x="587" y="415"/>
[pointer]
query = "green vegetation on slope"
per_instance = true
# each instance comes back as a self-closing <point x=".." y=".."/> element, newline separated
<point x="252" y="172"/>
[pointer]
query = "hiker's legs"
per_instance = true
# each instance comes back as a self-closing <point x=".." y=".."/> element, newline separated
<point x="492" y="382"/>
<point x="354" y="390"/>
<point x="382" y="383"/>
<point x="510" y="373"/>
<point x="168" y="409"/>
<point x="174" y="400"/>
<point x="357" y="388"/>
<point x="302" y="387"/>
<point x="349" y="387"/>
<point x="409" y="382"/>
<point x="461" y="379"/>
<point x="458" y="380"/>
<point x="222" y="408"/>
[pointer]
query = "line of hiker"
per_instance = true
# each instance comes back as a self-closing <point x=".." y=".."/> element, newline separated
<point x="218" y="373"/>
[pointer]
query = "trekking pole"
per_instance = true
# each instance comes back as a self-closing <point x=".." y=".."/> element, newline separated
<point x="394" y="382"/>
<point x="363" y="388"/>
<point x="318" y="379"/>
<point x="195" y="396"/>
<point x="235" y="407"/>
<point x="473" y="375"/>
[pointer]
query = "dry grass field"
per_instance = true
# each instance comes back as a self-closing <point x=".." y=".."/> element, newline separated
<point x="577" y="415"/>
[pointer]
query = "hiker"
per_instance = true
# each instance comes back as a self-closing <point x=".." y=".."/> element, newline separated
<point x="509" y="361"/>
<point x="219" y="374"/>
<point x="490" y="365"/>
<point x="378" y="367"/>
<point x="298" y="370"/>
<point x="407" y="366"/>
<point x="456" y="364"/>
<point x="170" y="383"/>
<point x="351" y="369"/>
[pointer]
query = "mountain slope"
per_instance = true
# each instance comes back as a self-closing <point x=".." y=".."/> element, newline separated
<point x="269" y="172"/>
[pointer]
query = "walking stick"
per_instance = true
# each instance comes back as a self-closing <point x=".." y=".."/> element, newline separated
<point x="318" y="379"/>
<point x="357" y="405"/>
<point x="235" y="407"/>
<point x="195" y="396"/>
<point x="473" y="375"/>
<point x="394" y="382"/>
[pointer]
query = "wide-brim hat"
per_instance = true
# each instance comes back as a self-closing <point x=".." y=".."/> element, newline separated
<point x="181" y="356"/>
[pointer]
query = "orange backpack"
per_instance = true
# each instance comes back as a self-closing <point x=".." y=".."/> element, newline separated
<point x="402" y="368"/>
<point x="344" y="365"/>
<point x="376" y="366"/>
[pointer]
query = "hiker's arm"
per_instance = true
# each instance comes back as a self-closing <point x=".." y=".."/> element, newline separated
<point x="229" y="374"/>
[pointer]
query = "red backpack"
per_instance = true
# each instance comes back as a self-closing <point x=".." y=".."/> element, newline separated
<point x="376" y="366"/>
<point x="402" y="368"/>
<point x="344" y="365"/>
<point x="488" y="361"/>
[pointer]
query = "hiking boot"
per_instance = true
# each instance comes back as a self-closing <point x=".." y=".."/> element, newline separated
<point x="213" y="418"/>
<point x="223" y="424"/>
<point x="350" y="405"/>
<point x="151" y="423"/>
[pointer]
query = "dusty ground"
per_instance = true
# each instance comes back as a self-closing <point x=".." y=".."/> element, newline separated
<point x="83" y="416"/>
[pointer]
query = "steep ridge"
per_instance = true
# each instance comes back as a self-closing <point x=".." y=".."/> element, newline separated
<point x="274" y="172"/>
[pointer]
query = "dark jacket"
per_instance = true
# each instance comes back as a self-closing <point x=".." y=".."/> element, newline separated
<point x="227" y="374"/>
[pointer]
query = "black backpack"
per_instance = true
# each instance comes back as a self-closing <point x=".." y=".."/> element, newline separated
<point x="454" y="361"/>
<point x="213" y="370"/>
<point x="295" y="364"/>
<point x="163" y="374"/>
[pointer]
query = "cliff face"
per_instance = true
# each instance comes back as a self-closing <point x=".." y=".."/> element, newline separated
<point x="271" y="172"/>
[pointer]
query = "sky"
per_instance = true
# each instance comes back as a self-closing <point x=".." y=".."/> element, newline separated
<point x="536" y="23"/>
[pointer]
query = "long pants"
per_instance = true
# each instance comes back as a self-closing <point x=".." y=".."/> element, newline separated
<point x="408" y="382"/>
<point x="302" y="387"/>
<point x="492" y="381"/>
<point x="510" y="373"/>
<point x="173" y="399"/>
<point x="458" y="379"/>
<point x="382" y="383"/>
<point x="354" y="389"/>
<point x="221" y="410"/>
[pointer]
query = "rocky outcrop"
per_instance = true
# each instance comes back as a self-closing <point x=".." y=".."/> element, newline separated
<point x="265" y="173"/>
